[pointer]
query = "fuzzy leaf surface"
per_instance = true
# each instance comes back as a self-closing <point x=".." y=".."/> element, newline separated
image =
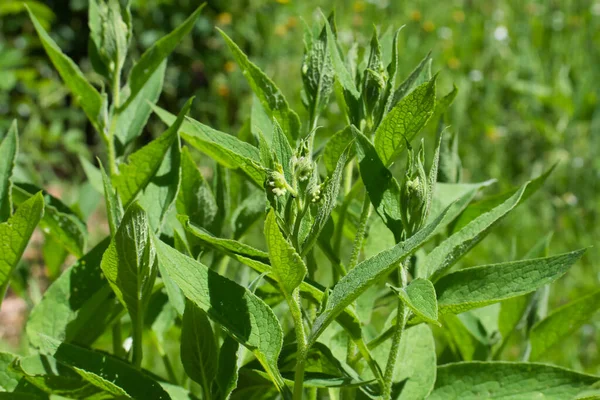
<point x="420" y="297"/>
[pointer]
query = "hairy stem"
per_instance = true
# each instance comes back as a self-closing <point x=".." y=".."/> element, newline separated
<point x="296" y="312"/>
<point x="360" y="232"/>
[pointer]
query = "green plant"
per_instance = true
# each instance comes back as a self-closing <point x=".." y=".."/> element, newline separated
<point x="343" y="303"/>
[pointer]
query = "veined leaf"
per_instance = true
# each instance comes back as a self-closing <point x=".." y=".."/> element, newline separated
<point x="226" y="149"/>
<point x="561" y="323"/>
<point x="335" y="146"/>
<point x="227" y="372"/>
<point x="267" y="92"/>
<point x="8" y="157"/>
<point x="59" y="221"/>
<point x="405" y="121"/>
<point x="419" y="296"/>
<point x="145" y="163"/>
<point x="8" y="379"/>
<point x="367" y="273"/>
<point x="341" y="72"/>
<point x="282" y="149"/>
<point x="479" y="286"/>
<point x="508" y="380"/>
<point x="286" y="263"/>
<point x="246" y="317"/>
<point x="198" y="347"/>
<point x="153" y="58"/>
<point x="382" y="187"/>
<point x="86" y="95"/>
<point x="15" y="234"/>
<point x="406" y="86"/>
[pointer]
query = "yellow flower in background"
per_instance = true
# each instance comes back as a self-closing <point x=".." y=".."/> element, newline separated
<point x="415" y="15"/>
<point x="224" y="18"/>
<point x="281" y="30"/>
<point x="229" y="66"/>
<point x="359" y="6"/>
<point x="223" y="90"/>
<point x="428" y="26"/>
<point x="453" y="63"/>
<point x="292" y="22"/>
<point x="458" y="16"/>
<point x="283" y="1"/>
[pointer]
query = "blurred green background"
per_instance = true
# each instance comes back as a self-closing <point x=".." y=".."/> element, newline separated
<point x="529" y="96"/>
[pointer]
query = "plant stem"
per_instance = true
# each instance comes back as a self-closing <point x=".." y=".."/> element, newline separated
<point x="110" y="140"/>
<point x="390" y="367"/>
<point x="295" y="310"/>
<point x="137" y="340"/>
<point x="360" y="233"/>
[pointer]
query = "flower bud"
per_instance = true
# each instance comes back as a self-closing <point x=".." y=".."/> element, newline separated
<point x="276" y="181"/>
<point x="414" y="194"/>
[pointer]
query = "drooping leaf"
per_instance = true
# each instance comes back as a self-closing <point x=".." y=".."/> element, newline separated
<point x="404" y="122"/>
<point x="226" y="149"/>
<point x="419" y="296"/>
<point x="479" y="286"/>
<point x="366" y="274"/>
<point x="507" y="380"/>
<point x="8" y="155"/>
<point x="267" y="92"/>
<point x="199" y="351"/>
<point x="153" y="58"/>
<point x="144" y="163"/>
<point x="85" y="94"/>
<point x="15" y="234"/>
<point x="561" y="323"/>
<point x="247" y="318"/>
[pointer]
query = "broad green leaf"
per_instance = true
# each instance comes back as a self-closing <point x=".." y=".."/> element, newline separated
<point x="15" y="234"/>
<point x="368" y="273"/>
<point x="382" y="187"/>
<point x="132" y="117"/>
<point x="562" y="323"/>
<point x="508" y="380"/>
<point x="404" y="122"/>
<point x="260" y="122"/>
<point x="461" y="340"/>
<point x="77" y="307"/>
<point x="286" y="263"/>
<point x="447" y="253"/>
<point x="442" y="105"/>
<point x="198" y="347"/>
<point x="335" y="146"/>
<point x="59" y="220"/>
<point x="153" y="58"/>
<point x="227" y="371"/>
<point x="145" y="163"/>
<point x="85" y="94"/>
<point x="226" y="149"/>
<point x="8" y="156"/>
<point x="479" y="286"/>
<point x="267" y="92"/>
<point x="114" y="208"/>
<point x="8" y="379"/>
<point x="406" y="86"/>
<point x="130" y="265"/>
<point x="327" y="203"/>
<point x="243" y="315"/>
<point x="419" y="296"/>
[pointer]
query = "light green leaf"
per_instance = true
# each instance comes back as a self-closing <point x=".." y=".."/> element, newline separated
<point x="153" y="58"/>
<point x="406" y="86"/>
<point x="282" y="149"/>
<point x="286" y="263"/>
<point x="382" y="187"/>
<point x="85" y="94"/>
<point x="130" y="265"/>
<point x="341" y="72"/>
<point x="562" y="323"/>
<point x="114" y="208"/>
<point x="268" y="93"/>
<point x="335" y="146"/>
<point x="461" y="340"/>
<point x="405" y="121"/>
<point x="59" y="220"/>
<point x="145" y="163"/>
<point x="260" y="122"/>
<point x="8" y="379"/>
<point x="420" y="297"/>
<point x="368" y="273"/>
<point x="8" y="156"/>
<point x="15" y="234"/>
<point x="226" y="149"/>
<point x="507" y="380"/>
<point x="479" y="286"/>
<point x="93" y="174"/>
<point x="198" y="347"/>
<point x="246" y="317"/>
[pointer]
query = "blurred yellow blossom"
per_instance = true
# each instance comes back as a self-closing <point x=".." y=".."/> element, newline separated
<point x="415" y="15"/>
<point x="453" y="63"/>
<point x="292" y="22"/>
<point x="224" y="18"/>
<point x="229" y="66"/>
<point x="428" y="26"/>
<point x="283" y="1"/>
<point x="359" y="6"/>
<point x="458" y="16"/>
<point x="222" y="90"/>
<point x="281" y="30"/>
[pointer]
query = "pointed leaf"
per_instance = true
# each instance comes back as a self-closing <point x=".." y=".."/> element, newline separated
<point x="406" y="86"/>
<point x="8" y="156"/>
<point x="227" y="373"/>
<point x="341" y="72"/>
<point x="420" y="297"/>
<point x="114" y="208"/>
<point x="335" y="146"/>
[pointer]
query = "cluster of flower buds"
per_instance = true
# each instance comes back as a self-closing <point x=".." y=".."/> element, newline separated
<point x="276" y="181"/>
<point x="314" y="193"/>
<point x="302" y="163"/>
<point x="414" y="194"/>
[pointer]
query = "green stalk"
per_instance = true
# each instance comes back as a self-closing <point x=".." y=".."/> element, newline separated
<point x="295" y="310"/>
<point x="360" y="233"/>
<point x="110" y="139"/>
<point x="137" y="340"/>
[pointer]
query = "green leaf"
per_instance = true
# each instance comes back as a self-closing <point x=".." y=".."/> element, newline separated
<point x="250" y="210"/>
<point x="267" y="92"/>
<point x="341" y="72"/>
<point x="243" y="315"/>
<point x="8" y="156"/>
<point x="146" y="162"/>
<point x="130" y="266"/>
<point x="226" y="149"/>
<point x="368" y="273"/>
<point x="335" y="146"/>
<point x="286" y="263"/>
<point x="479" y="286"/>
<point x="153" y="58"/>
<point x="15" y="234"/>
<point x="59" y="220"/>
<point x="114" y="208"/>
<point x="85" y="94"/>
<point x="282" y="149"/>
<point x="562" y="323"/>
<point x="420" y="297"/>
<point x="77" y="307"/>
<point x="507" y="380"/>
<point x="92" y="173"/>
<point x="406" y="86"/>
<point x="132" y="117"/>
<point x="8" y="379"/>
<point x="382" y="187"/>
<point x="227" y="372"/>
<point x="198" y="347"/>
<point x="405" y="121"/>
